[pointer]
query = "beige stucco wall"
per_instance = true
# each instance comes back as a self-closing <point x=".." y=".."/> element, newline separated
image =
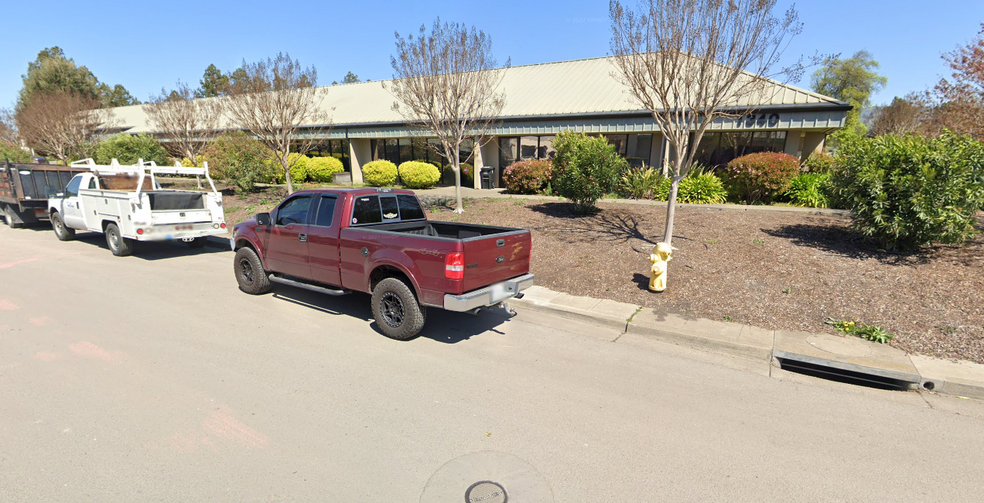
<point x="360" y="152"/>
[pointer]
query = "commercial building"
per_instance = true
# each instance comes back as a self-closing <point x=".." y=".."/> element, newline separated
<point x="545" y="99"/>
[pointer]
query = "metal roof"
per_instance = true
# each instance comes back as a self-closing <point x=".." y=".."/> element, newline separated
<point x="581" y="87"/>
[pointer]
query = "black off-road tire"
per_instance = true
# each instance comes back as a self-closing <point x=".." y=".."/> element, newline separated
<point x="198" y="242"/>
<point x="250" y="275"/>
<point x="62" y="232"/>
<point x="119" y="245"/>
<point x="396" y="310"/>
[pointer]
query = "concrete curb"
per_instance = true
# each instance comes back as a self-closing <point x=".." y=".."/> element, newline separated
<point x="962" y="379"/>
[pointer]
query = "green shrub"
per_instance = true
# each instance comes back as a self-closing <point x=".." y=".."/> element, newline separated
<point x="379" y="173"/>
<point x="128" y="149"/>
<point x="237" y="158"/>
<point x="810" y="189"/>
<point x="643" y="183"/>
<point x="819" y="163"/>
<point x="701" y="187"/>
<point x="585" y="168"/>
<point x="528" y="177"/>
<point x="13" y="153"/>
<point x="322" y="169"/>
<point x="760" y="177"/>
<point x="909" y="192"/>
<point x="419" y="174"/>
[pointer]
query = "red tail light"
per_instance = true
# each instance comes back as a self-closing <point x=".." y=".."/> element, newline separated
<point x="454" y="265"/>
<point x="140" y="232"/>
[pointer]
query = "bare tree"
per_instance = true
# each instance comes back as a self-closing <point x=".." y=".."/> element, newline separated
<point x="902" y="116"/>
<point x="960" y="99"/>
<point x="61" y="124"/>
<point x="445" y="82"/>
<point x="277" y="102"/>
<point x="691" y="62"/>
<point x="8" y="128"/>
<point x="187" y="124"/>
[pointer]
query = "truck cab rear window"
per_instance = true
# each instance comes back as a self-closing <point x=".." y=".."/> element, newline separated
<point x="376" y="209"/>
<point x="366" y="211"/>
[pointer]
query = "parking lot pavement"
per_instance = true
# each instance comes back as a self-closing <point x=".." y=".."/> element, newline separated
<point x="153" y="378"/>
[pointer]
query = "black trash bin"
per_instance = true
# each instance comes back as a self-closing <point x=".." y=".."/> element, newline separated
<point x="488" y="177"/>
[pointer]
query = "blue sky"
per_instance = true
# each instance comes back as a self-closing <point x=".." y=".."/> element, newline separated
<point x="149" y="45"/>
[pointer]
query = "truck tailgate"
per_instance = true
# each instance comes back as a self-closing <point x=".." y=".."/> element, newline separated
<point x="495" y="258"/>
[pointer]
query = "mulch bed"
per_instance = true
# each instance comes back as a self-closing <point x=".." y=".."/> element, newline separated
<point x="777" y="270"/>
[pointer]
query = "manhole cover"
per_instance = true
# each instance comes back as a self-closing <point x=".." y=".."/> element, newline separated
<point x="840" y="345"/>
<point x="487" y="477"/>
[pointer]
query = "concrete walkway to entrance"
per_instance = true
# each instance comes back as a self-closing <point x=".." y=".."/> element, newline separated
<point x="447" y="194"/>
<point x="843" y="353"/>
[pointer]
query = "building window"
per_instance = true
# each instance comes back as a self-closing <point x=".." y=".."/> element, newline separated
<point x="338" y="149"/>
<point x="718" y="149"/>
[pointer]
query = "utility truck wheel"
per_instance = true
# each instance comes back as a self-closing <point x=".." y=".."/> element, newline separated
<point x="8" y="215"/>
<point x="396" y="310"/>
<point x="62" y="232"/>
<point x="198" y="242"/>
<point x="249" y="272"/>
<point x="119" y="245"/>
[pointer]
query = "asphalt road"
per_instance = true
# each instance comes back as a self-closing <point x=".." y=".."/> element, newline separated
<point x="153" y="378"/>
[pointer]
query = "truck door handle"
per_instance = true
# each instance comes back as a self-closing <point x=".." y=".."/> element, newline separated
<point x="302" y="237"/>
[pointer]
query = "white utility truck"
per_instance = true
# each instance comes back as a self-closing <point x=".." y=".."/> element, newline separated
<point x="127" y="204"/>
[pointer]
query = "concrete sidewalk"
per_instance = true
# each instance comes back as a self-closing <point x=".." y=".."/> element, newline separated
<point x="843" y="353"/>
<point x="445" y="194"/>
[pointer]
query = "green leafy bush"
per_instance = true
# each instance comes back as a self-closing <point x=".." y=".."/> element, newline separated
<point x="701" y="187"/>
<point x="322" y="169"/>
<point x="13" y="153"/>
<point x="760" y="177"/>
<point x="810" y="189"/>
<point x="128" y="149"/>
<point x="379" y="173"/>
<point x="419" y="174"/>
<point x="239" y="159"/>
<point x="585" y="168"/>
<point x="819" y="163"/>
<point x="909" y="192"/>
<point x="527" y="177"/>
<point x="646" y="183"/>
<point x="298" y="169"/>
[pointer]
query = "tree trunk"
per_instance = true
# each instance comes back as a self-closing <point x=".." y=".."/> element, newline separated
<point x="290" y="185"/>
<point x="456" y="166"/>
<point x="671" y="210"/>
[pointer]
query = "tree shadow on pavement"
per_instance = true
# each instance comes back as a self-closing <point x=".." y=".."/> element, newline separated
<point x="442" y="326"/>
<point x="605" y="225"/>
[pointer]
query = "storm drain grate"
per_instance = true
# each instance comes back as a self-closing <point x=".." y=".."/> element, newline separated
<point x="835" y="371"/>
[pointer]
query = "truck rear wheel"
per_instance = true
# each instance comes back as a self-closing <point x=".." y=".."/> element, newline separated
<point x="396" y="310"/>
<point x="12" y="220"/>
<point x="119" y="245"/>
<point x="250" y="275"/>
<point x="62" y="232"/>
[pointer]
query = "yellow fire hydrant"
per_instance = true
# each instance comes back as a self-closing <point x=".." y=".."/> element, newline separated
<point x="659" y="257"/>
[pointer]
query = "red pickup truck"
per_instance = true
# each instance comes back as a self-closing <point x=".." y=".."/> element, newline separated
<point x="379" y="241"/>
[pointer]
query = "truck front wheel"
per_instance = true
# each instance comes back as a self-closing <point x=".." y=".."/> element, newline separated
<point x="396" y="310"/>
<point x="62" y="232"/>
<point x="250" y="275"/>
<point x="119" y="245"/>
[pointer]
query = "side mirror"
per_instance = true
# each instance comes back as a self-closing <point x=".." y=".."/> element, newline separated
<point x="262" y="219"/>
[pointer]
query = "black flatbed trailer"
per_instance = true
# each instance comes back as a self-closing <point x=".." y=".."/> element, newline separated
<point x="25" y="188"/>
